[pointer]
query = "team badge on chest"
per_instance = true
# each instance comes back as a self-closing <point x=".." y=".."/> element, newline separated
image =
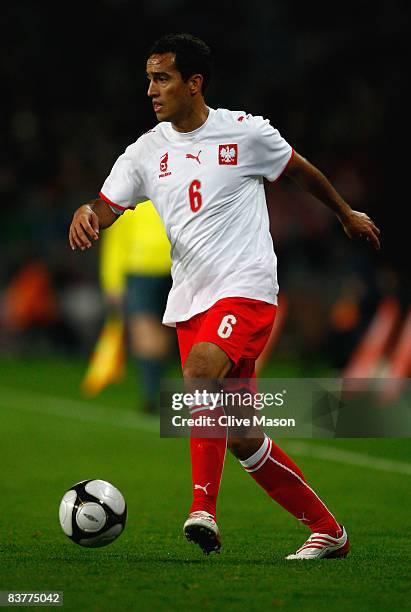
<point x="228" y="154"/>
<point x="164" y="166"/>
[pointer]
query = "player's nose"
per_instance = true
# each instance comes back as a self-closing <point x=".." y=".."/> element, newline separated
<point x="152" y="91"/>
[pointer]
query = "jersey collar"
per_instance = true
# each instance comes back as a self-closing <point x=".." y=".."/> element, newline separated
<point x="190" y="136"/>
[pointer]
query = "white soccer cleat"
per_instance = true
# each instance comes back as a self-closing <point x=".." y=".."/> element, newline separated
<point x="323" y="546"/>
<point x="201" y="528"/>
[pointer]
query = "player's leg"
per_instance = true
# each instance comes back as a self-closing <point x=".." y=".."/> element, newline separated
<point x="205" y="362"/>
<point x="284" y="482"/>
<point x="210" y="344"/>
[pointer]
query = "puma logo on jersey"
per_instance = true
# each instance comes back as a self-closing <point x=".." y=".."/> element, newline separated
<point x="197" y="486"/>
<point x="164" y="166"/>
<point x="227" y="154"/>
<point x="191" y="156"/>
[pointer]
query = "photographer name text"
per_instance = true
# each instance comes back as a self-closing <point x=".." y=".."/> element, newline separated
<point x="258" y="420"/>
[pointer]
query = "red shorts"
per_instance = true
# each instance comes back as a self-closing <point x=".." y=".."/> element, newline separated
<point x="239" y="326"/>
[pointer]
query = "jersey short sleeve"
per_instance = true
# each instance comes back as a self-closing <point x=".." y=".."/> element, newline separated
<point x="124" y="187"/>
<point x="269" y="152"/>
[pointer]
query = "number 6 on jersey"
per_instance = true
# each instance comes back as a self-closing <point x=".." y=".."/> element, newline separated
<point x="226" y="326"/>
<point x="194" y="194"/>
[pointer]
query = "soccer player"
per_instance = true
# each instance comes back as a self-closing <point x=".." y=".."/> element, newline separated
<point x="204" y="169"/>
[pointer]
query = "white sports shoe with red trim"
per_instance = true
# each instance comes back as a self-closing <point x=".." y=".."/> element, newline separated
<point x="201" y="528"/>
<point x="323" y="546"/>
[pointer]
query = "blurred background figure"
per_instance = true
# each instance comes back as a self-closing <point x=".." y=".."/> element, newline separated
<point x="135" y="278"/>
<point x="30" y="303"/>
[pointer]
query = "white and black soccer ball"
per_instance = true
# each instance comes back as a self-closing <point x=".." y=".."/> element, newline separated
<point x="93" y="513"/>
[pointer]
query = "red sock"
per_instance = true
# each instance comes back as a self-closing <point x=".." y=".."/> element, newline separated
<point x="207" y="462"/>
<point x="285" y="483"/>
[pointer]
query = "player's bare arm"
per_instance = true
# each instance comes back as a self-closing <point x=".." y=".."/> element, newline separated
<point x="356" y="224"/>
<point x="87" y="222"/>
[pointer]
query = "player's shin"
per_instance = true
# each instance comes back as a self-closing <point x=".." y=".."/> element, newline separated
<point x="284" y="482"/>
<point x="207" y="461"/>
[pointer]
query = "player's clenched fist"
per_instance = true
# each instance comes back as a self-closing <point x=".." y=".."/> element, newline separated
<point x="84" y="228"/>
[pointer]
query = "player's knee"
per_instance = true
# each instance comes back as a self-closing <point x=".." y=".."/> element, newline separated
<point x="196" y="368"/>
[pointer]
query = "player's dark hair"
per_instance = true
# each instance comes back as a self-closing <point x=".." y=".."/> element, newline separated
<point x="193" y="56"/>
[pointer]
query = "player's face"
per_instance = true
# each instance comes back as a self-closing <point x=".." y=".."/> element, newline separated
<point x="170" y="95"/>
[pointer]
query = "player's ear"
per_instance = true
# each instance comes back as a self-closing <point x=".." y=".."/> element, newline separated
<point x="195" y="83"/>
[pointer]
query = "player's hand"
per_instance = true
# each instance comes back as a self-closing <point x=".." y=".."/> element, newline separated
<point x="358" y="225"/>
<point x="84" y="228"/>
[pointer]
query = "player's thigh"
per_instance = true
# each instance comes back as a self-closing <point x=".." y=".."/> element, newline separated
<point x="227" y="337"/>
<point x="239" y="326"/>
<point x="206" y="361"/>
<point x="186" y="335"/>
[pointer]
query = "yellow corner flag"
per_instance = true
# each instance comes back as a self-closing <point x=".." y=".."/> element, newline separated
<point x="108" y="358"/>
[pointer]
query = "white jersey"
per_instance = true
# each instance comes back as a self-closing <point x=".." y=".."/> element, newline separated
<point x="207" y="186"/>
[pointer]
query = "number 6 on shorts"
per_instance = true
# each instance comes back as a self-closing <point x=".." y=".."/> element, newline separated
<point x="226" y="326"/>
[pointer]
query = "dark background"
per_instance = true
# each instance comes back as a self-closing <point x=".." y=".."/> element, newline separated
<point x="330" y="77"/>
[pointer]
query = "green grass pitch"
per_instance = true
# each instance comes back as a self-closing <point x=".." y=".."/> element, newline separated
<point x="51" y="438"/>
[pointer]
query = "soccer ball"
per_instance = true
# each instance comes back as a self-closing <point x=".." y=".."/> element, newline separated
<point x="93" y="513"/>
